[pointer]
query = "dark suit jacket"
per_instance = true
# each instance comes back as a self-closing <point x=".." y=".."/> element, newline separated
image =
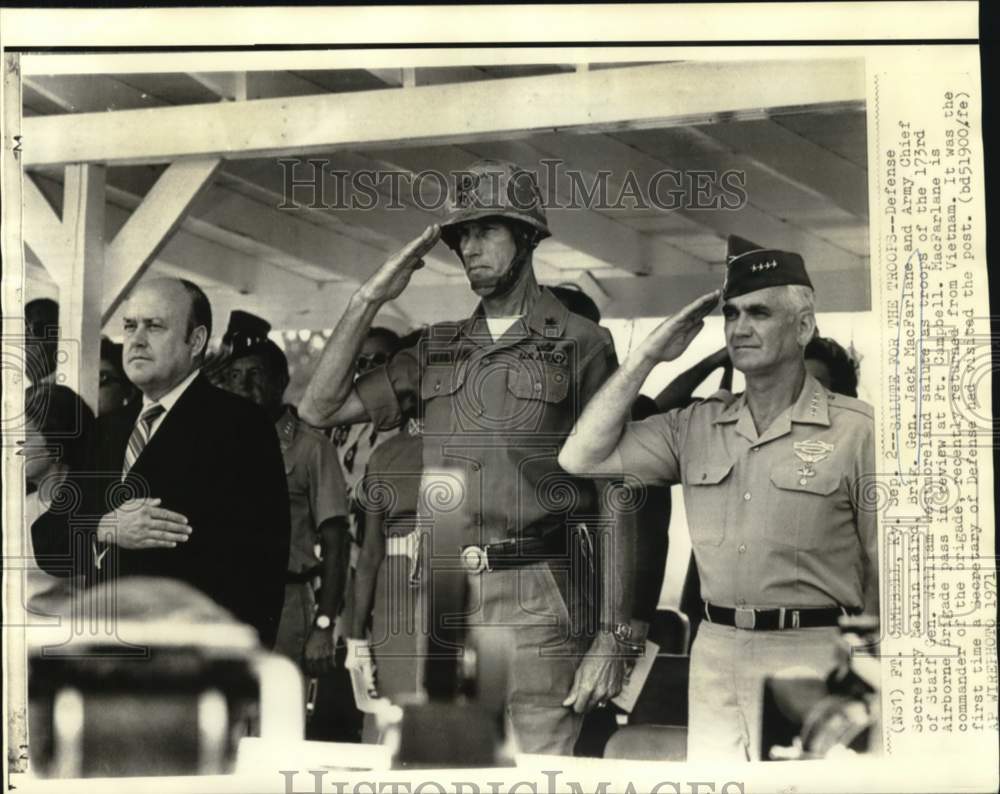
<point x="214" y="458"/>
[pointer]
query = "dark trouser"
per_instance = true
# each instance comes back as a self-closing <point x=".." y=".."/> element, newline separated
<point x="335" y="717"/>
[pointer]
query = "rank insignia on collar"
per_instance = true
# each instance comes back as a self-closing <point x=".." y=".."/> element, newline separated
<point x="812" y="451"/>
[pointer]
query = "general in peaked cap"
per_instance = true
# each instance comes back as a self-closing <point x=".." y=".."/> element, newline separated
<point x="750" y="267"/>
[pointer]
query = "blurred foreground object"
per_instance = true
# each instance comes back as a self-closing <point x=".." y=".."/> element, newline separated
<point x="457" y="719"/>
<point x="806" y="717"/>
<point x="169" y="689"/>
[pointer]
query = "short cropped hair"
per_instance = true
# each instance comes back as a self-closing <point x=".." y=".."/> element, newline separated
<point x="800" y="298"/>
<point x="201" y="309"/>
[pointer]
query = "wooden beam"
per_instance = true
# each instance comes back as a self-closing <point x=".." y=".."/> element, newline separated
<point x="150" y="227"/>
<point x="659" y="296"/>
<point x="212" y="263"/>
<point x="80" y="300"/>
<point x="90" y="93"/>
<point x="799" y="161"/>
<point x="44" y="233"/>
<point x="350" y="256"/>
<point x="643" y="96"/>
<point x="590" y="231"/>
<point x="391" y="77"/>
<point x="243" y="216"/>
<point x="229" y="86"/>
<point x="265" y="85"/>
<point x="445" y="75"/>
<point x="593" y="152"/>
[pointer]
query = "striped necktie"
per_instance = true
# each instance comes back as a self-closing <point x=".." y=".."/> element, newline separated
<point x="140" y="435"/>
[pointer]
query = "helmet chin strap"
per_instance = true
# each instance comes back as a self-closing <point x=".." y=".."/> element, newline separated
<point x="507" y="281"/>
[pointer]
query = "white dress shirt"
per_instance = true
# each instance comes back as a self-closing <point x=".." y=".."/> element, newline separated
<point x="167" y="401"/>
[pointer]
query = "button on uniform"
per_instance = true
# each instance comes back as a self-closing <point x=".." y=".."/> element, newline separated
<point x="743" y="548"/>
<point x="747" y="497"/>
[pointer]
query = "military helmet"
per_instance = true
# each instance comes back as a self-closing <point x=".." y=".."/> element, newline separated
<point x="496" y="189"/>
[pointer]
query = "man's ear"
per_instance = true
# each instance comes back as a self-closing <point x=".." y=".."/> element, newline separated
<point x="806" y="328"/>
<point x="199" y="339"/>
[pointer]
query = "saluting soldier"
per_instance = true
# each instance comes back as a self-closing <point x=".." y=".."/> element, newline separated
<point x="498" y="394"/>
<point x="770" y="481"/>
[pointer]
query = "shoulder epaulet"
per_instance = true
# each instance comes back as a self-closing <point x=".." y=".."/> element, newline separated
<point x="313" y="432"/>
<point x="836" y="400"/>
<point x="443" y="330"/>
<point x="722" y="395"/>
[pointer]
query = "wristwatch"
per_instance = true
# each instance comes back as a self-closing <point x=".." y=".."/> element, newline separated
<point x="622" y="632"/>
<point x="322" y="621"/>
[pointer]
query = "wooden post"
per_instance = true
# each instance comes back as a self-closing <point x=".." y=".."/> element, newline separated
<point x="78" y="360"/>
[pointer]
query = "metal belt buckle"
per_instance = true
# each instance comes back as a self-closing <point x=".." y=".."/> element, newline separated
<point x="474" y="559"/>
<point x="745" y="618"/>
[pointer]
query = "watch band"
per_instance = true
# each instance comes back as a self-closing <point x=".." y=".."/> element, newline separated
<point x="622" y="632"/>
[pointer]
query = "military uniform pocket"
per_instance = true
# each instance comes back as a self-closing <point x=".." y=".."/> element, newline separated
<point x="705" y="501"/>
<point x="798" y="505"/>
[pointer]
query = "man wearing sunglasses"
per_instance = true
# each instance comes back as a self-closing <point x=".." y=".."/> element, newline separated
<point x="498" y="393"/>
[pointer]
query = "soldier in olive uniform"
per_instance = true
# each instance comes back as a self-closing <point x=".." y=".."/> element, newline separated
<point x="498" y="394"/>
<point x="770" y="481"/>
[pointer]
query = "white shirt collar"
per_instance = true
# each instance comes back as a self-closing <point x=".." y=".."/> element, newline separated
<point x="171" y="397"/>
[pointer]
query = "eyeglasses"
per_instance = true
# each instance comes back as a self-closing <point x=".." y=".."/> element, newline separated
<point x="367" y="361"/>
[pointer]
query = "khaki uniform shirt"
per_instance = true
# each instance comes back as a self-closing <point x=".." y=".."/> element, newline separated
<point x="316" y="491"/>
<point x="774" y="519"/>
<point x="500" y="411"/>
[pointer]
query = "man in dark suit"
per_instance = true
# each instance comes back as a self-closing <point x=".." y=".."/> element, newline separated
<point x="187" y="483"/>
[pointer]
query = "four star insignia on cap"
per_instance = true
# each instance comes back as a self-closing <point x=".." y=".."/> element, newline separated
<point x="751" y="267"/>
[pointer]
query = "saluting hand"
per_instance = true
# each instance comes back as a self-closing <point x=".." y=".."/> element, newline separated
<point x="143" y="524"/>
<point x="672" y="337"/>
<point x="389" y="281"/>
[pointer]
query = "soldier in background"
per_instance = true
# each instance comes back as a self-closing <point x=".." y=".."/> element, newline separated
<point x="314" y="581"/>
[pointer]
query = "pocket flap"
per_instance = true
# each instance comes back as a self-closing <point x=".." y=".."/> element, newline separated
<point x="707" y="473"/>
<point x="549" y="383"/>
<point x="437" y="381"/>
<point x="791" y="477"/>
